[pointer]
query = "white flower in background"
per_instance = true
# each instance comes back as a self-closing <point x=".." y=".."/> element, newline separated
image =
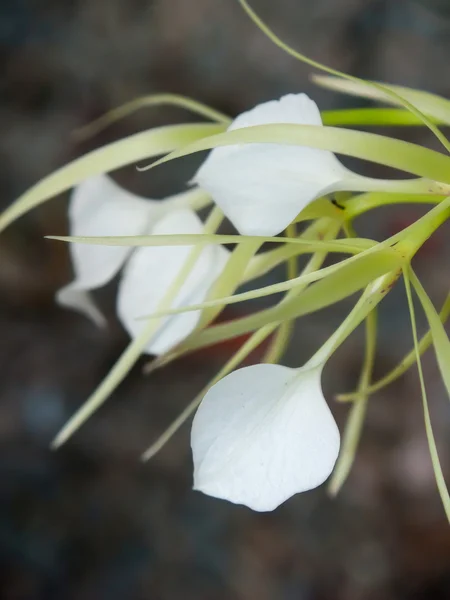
<point x="261" y="188"/>
<point x="151" y="270"/>
<point x="262" y="434"/>
<point x="99" y="207"/>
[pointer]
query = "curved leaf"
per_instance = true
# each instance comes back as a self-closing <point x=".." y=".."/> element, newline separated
<point x="430" y="104"/>
<point x="383" y="150"/>
<point x="108" y="158"/>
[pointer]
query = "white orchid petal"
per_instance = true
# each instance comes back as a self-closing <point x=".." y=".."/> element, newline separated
<point x="98" y="206"/>
<point x="72" y="297"/>
<point x="263" y="434"/>
<point x="151" y="270"/>
<point x="262" y="187"/>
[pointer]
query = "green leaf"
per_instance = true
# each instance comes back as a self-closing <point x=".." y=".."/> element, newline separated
<point x="407" y="361"/>
<point x="229" y="279"/>
<point x="283" y="286"/>
<point x="322" y="229"/>
<point x="355" y="420"/>
<point x="434" y="106"/>
<point x="201" y="239"/>
<point x="274" y="351"/>
<point x="397" y="154"/>
<point x="389" y="92"/>
<point x="257" y="338"/>
<point x="440" y="339"/>
<point x="129" y="108"/>
<point x="324" y="293"/>
<point x="136" y="346"/>
<point x="370" y="116"/>
<point x="442" y="486"/>
<point x="108" y="158"/>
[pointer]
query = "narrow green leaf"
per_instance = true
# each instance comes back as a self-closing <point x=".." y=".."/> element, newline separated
<point x="108" y="158"/>
<point x="442" y="486"/>
<point x="229" y="280"/>
<point x="407" y="361"/>
<point x="380" y="149"/>
<point x="390" y="92"/>
<point x="441" y="342"/>
<point x="355" y="421"/>
<point x="136" y="346"/>
<point x="371" y="116"/>
<point x="275" y="288"/>
<point x="257" y="338"/>
<point x="323" y="229"/>
<point x="434" y="106"/>
<point x="129" y="108"/>
<point x="201" y="239"/>
<point x="320" y="295"/>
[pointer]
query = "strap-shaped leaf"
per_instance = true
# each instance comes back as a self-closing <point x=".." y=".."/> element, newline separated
<point x="391" y="93"/>
<point x="352" y="117"/>
<point x="200" y="239"/>
<point x="439" y="336"/>
<point x="355" y="420"/>
<point x="275" y="288"/>
<point x="405" y="363"/>
<point x="108" y="158"/>
<point x="136" y="346"/>
<point x="276" y="347"/>
<point x="380" y="149"/>
<point x="440" y="481"/>
<point x="434" y="106"/>
<point x="324" y="293"/>
<point x="123" y="111"/>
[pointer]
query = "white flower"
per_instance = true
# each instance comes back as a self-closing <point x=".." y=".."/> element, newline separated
<point x="263" y="434"/>
<point x="99" y="207"/>
<point x="261" y="188"/>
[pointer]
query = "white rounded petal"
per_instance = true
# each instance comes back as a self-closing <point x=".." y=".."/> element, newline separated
<point x="151" y="270"/>
<point x="98" y="206"/>
<point x="263" y="434"/>
<point x="262" y="187"/>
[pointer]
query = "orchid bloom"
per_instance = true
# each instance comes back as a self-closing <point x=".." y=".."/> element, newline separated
<point x="261" y="188"/>
<point x="100" y="207"/>
<point x="263" y="434"/>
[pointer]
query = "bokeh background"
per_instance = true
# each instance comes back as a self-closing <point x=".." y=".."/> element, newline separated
<point x="90" y="522"/>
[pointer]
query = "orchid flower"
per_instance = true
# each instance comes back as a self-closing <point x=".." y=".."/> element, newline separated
<point x="100" y="207"/>
<point x="261" y="433"/>
<point x="265" y="432"/>
<point x="261" y="188"/>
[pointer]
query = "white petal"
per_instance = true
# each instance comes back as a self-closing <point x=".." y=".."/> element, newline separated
<point x="151" y="270"/>
<point x="262" y="187"/>
<point x="263" y="434"/>
<point x="98" y="206"/>
<point x="73" y="297"/>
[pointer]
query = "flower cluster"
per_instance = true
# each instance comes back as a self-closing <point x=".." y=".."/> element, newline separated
<point x="265" y="432"/>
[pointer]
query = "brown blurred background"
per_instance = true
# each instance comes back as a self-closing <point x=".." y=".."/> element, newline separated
<point x="90" y="522"/>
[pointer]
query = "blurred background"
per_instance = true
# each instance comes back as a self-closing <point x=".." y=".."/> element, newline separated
<point x="90" y="522"/>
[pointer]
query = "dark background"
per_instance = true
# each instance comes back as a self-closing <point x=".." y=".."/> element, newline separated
<point x="90" y="522"/>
